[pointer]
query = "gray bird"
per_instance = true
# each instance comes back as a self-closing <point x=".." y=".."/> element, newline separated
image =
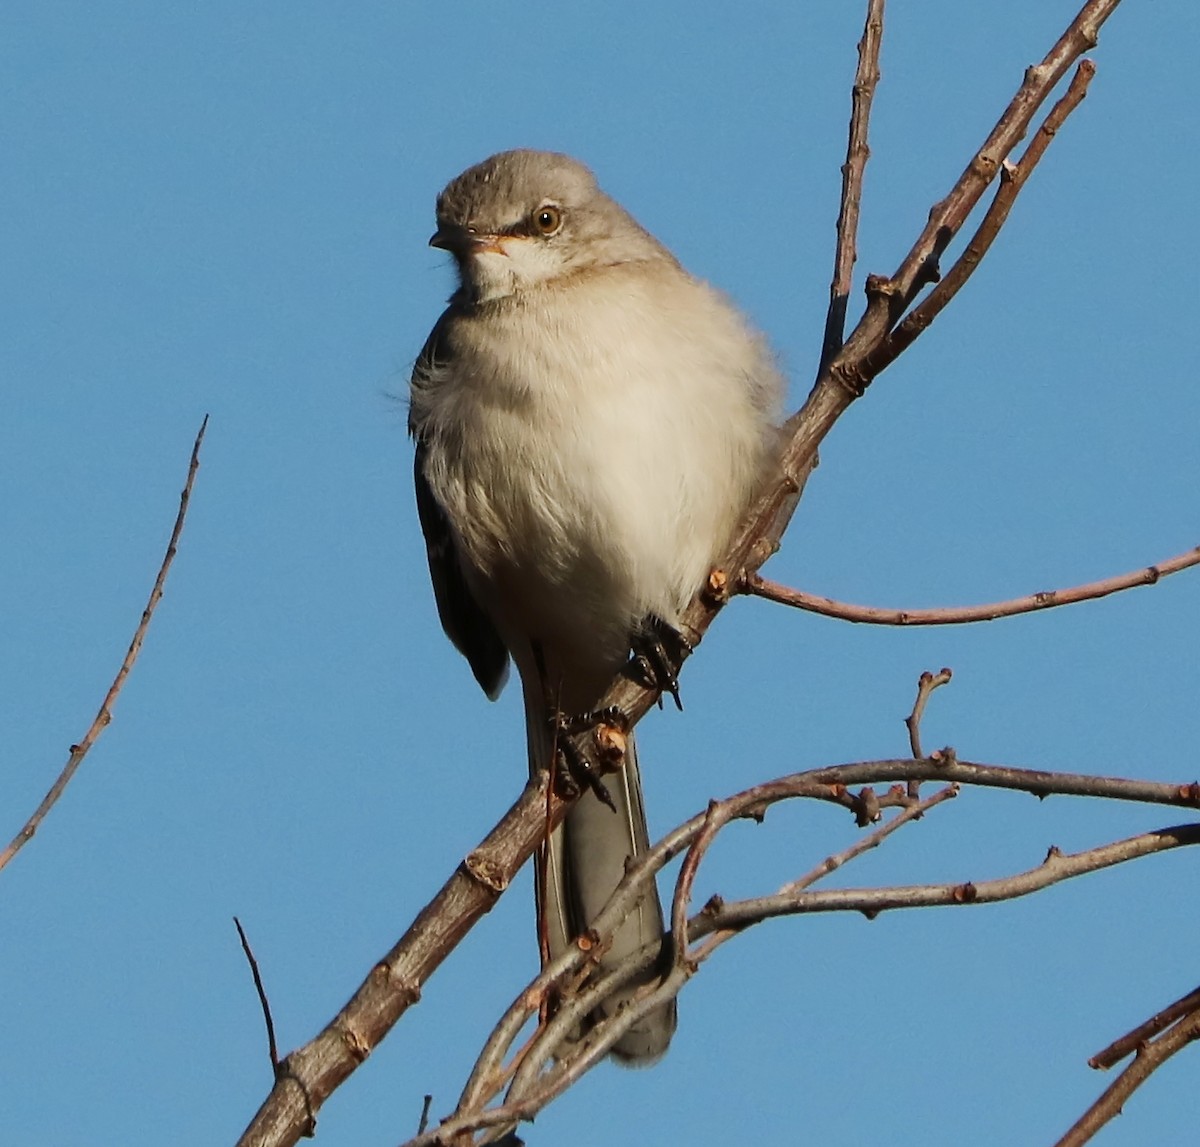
<point x="591" y="422"/>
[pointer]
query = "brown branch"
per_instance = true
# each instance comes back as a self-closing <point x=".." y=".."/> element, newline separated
<point x="927" y="683"/>
<point x="887" y="299"/>
<point x="866" y="79"/>
<point x="272" y="1047"/>
<point x="1012" y="178"/>
<point x="534" y="1089"/>
<point x="310" y="1074"/>
<point x="104" y="716"/>
<point x="1160" y="1021"/>
<point x="1150" y="1057"/>
<point x="1058" y="866"/>
<point x="871" y="840"/>
<point x="962" y="615"/>
<point x="723" y="920"/>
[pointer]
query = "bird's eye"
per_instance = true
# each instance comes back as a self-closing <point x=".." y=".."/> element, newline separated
<point x="547" y="219"/>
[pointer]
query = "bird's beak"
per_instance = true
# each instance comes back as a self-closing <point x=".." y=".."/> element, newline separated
<point x="459" y="240"/>
<point x="447" y="237"/>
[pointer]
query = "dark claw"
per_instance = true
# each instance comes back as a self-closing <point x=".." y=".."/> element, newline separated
<point x="659" y="649"/>
<point x="576" y="766"/>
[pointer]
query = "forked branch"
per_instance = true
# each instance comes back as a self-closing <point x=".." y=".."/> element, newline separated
<point x="866" y="79"/>
<point x="553" y="1058"/>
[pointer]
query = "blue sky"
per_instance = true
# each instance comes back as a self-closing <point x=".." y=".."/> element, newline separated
<point x="223" y="209"/>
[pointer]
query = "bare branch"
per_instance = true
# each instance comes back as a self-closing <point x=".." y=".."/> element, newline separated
<point x="872" y="840"/>
<point x="553" y="1060"/>
<point x="104" y="716"/>
<point x="857" y="153"/>
<point x="925" y="686"/>
<point x="888" y="298"/>
<point x="1012" y="178"/>
<point x="309" y="1075"/>
<point x="962" y="615"/>
<point x="1055" y="868"/>
<point x="1160" y="1021"/>
<point x="538" y="1080"/>
<point x="1150" y="1057"/>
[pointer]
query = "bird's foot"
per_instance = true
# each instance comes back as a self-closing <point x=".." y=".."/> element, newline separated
<point x="576" y="770"/>
<point x="658" y="651"/>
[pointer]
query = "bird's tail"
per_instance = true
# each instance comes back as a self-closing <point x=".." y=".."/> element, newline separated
<point x="584" y="863"/>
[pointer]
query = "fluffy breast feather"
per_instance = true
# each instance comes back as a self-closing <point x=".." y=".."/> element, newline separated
<point x="597" y="441"/>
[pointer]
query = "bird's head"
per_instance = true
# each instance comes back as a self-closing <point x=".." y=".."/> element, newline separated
<point x="525" y="219"/>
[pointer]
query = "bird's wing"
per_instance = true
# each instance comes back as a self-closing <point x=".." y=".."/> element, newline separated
<point x="462" y="617"/>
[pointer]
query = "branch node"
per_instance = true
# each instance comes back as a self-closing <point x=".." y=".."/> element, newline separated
<point x="486" y="872"/>
<point x="852" y="380"/>
<point x="881" y="287"/>
<point x="716" y="588"/>
<point x="866" y="807"/>
<point x="358" y="1047"/>
<point x="964" y="893"/>
<point x="1190" y="794"/>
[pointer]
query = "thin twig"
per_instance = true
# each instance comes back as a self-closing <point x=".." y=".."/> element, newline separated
<point x="1119" y="1049"/>
<point x="926" y="684"/>
<point x="912" y="811"/>
<point x="962" y="615"/>
<point x="866" y="78"/>
<point x="1149" y="1058"/>
<point x="104" y="716"/>
<point x="272" y="1049"/>
<point x="532" y="1090"/>
<point x="423" y="1122"/>
<point x="716" y="817"/>
<point x="872" y="840"/>
<point x="1057" y="866"/>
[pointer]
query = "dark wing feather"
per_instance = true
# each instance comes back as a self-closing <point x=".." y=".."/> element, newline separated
<point x="463" y="619"/>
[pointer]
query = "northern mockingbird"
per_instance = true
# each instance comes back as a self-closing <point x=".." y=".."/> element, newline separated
<point x="591" y="422"/>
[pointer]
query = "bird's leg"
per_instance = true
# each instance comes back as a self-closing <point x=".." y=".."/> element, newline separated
<point x="658" y="651"/>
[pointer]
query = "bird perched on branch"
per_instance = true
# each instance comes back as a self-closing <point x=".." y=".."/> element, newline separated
<point x="591" y="422"/>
